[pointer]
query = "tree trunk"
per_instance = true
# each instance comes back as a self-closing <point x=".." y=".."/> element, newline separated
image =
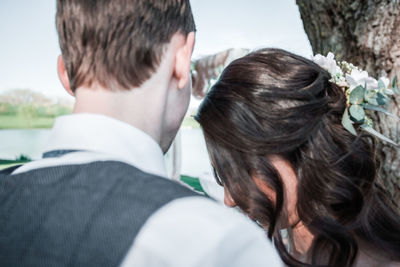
<point x="367" y="34"/>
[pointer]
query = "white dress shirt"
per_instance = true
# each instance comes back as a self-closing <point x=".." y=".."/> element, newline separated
<point x="188" y="232"/>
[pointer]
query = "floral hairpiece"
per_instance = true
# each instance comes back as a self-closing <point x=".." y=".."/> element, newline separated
<point x="362" y="92"/>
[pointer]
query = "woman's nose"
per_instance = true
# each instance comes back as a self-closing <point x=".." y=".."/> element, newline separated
<point x="228" y="200"/>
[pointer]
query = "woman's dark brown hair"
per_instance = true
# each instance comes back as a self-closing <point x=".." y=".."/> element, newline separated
<point x="272" y="102"/>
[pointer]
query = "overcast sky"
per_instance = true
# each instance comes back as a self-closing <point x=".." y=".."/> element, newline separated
<point x="29" y="46"/>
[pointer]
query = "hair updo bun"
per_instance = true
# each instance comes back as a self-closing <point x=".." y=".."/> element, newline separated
<point x="272" y="102"/>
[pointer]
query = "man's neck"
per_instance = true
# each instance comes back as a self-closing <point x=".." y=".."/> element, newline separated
<point x="143" y="107"/>
<point x="138" y="107"/>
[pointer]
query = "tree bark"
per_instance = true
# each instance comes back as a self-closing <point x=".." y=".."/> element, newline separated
<point x="367" y="34"/>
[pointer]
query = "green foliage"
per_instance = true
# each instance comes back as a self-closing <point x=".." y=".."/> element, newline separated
<point x="348" y="123"/>
<point x="357" y="113"/>
<point x="378" y="99"/>
<point x="31" y="110"/>
<point x="395" y="85"/>
<point x="29" y="115"/>
<point x="381" y="85"/>
<point x="23" y="157"/>
<point x="15" y="122"/>
<point x="372" y="131"/>
<point x="9" y="163"/>
<point x="357" y="95"/>
<point x="28" y="112"/>
<point x="379" y="109"/>
<point x="8" y="109"/>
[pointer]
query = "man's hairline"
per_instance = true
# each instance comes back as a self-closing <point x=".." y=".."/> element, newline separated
<point x="164" y="48"/>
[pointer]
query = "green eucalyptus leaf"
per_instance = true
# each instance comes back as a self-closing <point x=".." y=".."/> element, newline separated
<point x="395" y="88"/>
<point x="373" y="100"/>
<point x="377" y="99"/>
<point x="388" y="92"/>
<point x="357" y="113"/>
<point x="381" y="84"/>
<point x="377" y="134"/>
<point x="379" y="109"/>
<point x="382" y="99"/>
<point x="370" y="94"/>
<point x="347" y="123"/>
<point x="357" y="95"/>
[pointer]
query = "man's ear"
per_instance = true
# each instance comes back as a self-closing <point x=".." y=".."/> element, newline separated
<point x="63" y="75"/>
<point x="183" y="61"/>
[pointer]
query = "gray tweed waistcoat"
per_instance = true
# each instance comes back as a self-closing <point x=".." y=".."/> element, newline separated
<point x="77" y="215"/>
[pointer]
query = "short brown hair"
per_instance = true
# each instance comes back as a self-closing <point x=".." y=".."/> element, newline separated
<point x="117" y="43"/>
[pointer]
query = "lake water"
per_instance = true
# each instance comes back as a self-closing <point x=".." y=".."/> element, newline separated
<point x="13" y="143"/>
<point x="27" y="142"/>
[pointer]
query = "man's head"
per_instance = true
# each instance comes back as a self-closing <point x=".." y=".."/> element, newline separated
<point x="127" y="48"/>
<point x="117" y="44"/>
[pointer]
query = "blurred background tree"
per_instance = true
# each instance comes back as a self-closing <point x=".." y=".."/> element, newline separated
<point x="367" y="34"/>
<point x="207" y="69"/>
<point x="26" y="109"/>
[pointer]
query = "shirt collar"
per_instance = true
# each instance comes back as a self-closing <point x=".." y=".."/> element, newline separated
<point x="102" y="134"/>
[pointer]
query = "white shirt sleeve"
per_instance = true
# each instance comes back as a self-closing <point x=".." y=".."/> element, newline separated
<point x="197" y="232"/>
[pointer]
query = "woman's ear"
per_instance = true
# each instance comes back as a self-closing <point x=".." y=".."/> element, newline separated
<point x="183" y="61"/>
<point x="63" y="75"/>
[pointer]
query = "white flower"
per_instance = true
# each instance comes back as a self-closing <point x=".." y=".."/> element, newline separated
<point x="328" y="63"/>
<point x="385" y="81"/>
<point x="357" y="77"/>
